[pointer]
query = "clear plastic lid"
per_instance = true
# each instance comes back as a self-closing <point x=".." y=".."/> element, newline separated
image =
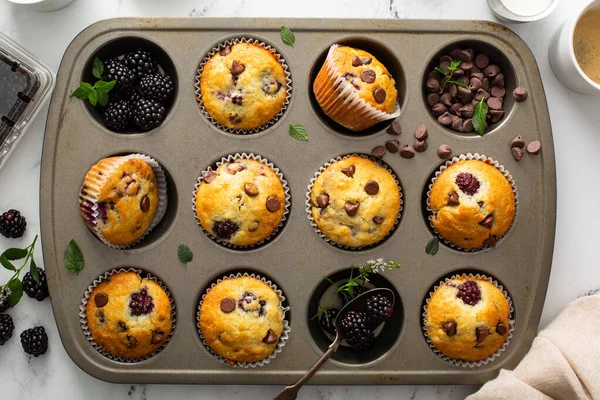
<point x="25" y="85"/>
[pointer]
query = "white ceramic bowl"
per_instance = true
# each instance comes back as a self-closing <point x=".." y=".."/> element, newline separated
<point x="563" y="61"/>
<point x="505" y="14"/>
<point x="42" y="5"/>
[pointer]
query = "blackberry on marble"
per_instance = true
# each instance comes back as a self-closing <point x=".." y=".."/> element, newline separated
<point x="38" y="291"/>
<point x="6" y="328"/>
<point x="35" y="341"/>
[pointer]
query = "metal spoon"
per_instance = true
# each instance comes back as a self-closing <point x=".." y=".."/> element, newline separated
<point x="358" y="304"/>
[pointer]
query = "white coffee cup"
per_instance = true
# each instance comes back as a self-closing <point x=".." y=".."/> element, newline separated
<point x="562" y="57"/>
<point x="42" y="5"/>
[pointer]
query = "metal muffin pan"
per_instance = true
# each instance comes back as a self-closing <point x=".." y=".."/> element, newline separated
<point x="297" y="258"/>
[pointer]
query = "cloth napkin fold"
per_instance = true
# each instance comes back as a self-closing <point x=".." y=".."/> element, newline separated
<point x="563" y="362"/>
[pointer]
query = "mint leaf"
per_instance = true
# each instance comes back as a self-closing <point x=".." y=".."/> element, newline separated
<point x="93" y="97"/>
<point x="287" y="36"/>
<point x="80" y="93"/>
<point x="479" y="115"/>
<point x="184" y="253"/>
<point x="98" y="68"/>
<point x="73" y="257"/>
<point x="102" y="99"/>
<point x="440" y="70"/>
<point x="454" y="65"/>
<point x="432" y="246"/>
<point x="34" y="271"/>
<point x="459" y="83"/>
<point x="15" y="254"/>
<point x="298" y="132"/>
<point x="16" y="292"/>
<point x="105" y="87"/>
<point x="6" y="264"/>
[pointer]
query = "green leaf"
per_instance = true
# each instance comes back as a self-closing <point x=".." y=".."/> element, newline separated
<point x="16" y="292"/>
<point x="34" y="271"/>
<point x="184" y="253"/>
<point x="98" y="68"/>
<point x="80" y="93"/>
<point x="6" y="264"/>
<point x="105" y="87"/>
<point x="454" y="65"/>
<point x="479" y="115"/>
<point x="459" y="83"/>
<point x="440" y="70"/>
<point x="102" y="99"/>
<point x="287" y="36"/>
<point x="73" y="257"/>
<point x="15" y="254"/>
<point x="298" y="132"/>
<point x="432" y="246"/>
<point x="93" y="97"/>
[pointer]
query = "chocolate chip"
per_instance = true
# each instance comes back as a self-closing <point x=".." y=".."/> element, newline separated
<point x="491" y="241"/>
<point x="420" y="145"/>
<point x="378" y="151"/>
<point x="225" y="51"/>
<point x="273" y="203"/>
<point x="466" y="55"/>
<point x="372" y="187"/>
<point x="498" y="80"/>
<point x="145" y="204"/>
<point x="480" y="203"/>
<point x="534" y="147"/>
<point x="237" y="68"/>
<point x="157" y="337"/>
<point x="454" y="53"/>
<point x="444" y="151"/>
<point x="445" y="59"/>
<point x="453" y="198"/>
<point x="475" y="84"/>
<point x="432" y="85"/>
<point x="517" y="153"/>
<point x="517" y="142"/>
<point x="434" y="75"/>
<point x="482" y="61"/>
<point x="378" y="220"/>
<point x="379" y="94"/>
<point x="465" y="95"/>
<point x="227" y="305"/>
<point x="494" y="103"/>
<point x="446" y="100"/>
<point x="491" y="71"/>
<point x="270" y="337"/>
<point x="455" y="107"/>
<point x="482" y="94"/>
<point x="481" y="334"/>
<point x="457" y="73"/>
<point x="366" y="60"/>
<point x="356" y="61"/>
<point x="253" y="227"/>
<point x="445" y="119"/>
<point x="486" y="84"/>
<point x="392" y="146"/>
<point x="351" y="208"/>
<point x="501" y="329"/>
<point x="444" y="65"/>
<point x="466" y="65"/>
<point x="323" y="200"/>
<point x="439" y="109"/>
<point x="368" y="76"/>
<point x="101" y="299"/>
<point x="250" y="189"/>
<point x="468" y="125"/>
<point x="131" y="342"/>
<point x="421" y="132"/>
<point x="407" y="152"/>
<point x="496" y="115"/>
<point x="498" y="92"/>
<point x="449" y="328"/>
<point x="520" y="94"/>
<point x="349" y="171"/>
<point x="452" y="89"/>
<point x="394" y="128"/>
<point x="466" y="111"/>
<point x="477" y="75"/>
<point x="457" y="124"/>
<point x="433" y="99"/>
<point x="487" y="221"/>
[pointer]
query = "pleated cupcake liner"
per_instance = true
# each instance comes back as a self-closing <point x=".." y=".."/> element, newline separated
<point x="282" y="339"/>
<point x="84" y="324"/>
<point x="465" y="363"/>
<point x="229" y="159"/>
<point x="288" y="85"/>
<point x="488" y="160"/>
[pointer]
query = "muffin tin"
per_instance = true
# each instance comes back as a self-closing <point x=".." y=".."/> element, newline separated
<point x="297" y="259"/>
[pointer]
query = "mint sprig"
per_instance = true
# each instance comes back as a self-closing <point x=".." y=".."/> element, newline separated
<point x="97" y="94"/>
<point x="73" y="257"/>
<point x="298" y="132"/>
<point x="480" y="111"/>
<point x="448" y="74"/>
<point x="287" y="36"/>
<point x="14" y="284"/>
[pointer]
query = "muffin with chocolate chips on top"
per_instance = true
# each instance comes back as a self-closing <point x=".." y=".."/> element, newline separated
<point x="355" y="202"/>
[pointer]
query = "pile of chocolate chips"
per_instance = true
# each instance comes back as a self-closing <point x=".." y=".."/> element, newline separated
<point x="453" y="104"/>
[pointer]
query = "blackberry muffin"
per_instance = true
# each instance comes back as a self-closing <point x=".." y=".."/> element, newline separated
<point x="129" y="316"/>
<point x="467" y="318"/>
<point x="473" y="204"/>
<point x="355" y="202"/>
<point x="125" y="191"/>
<point x="243" y="86"/>
<point x="241" y="203"/>
<point x="354" y="89"/>
<point x="241" y="319"/>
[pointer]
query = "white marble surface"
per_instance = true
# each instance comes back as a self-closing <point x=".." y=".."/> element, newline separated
<point x="575" y="120"/>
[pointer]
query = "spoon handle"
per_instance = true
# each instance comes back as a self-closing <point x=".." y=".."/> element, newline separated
<point x="291" y="392"/>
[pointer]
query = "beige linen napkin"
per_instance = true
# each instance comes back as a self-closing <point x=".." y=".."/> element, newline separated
<point x="563" y="362"/>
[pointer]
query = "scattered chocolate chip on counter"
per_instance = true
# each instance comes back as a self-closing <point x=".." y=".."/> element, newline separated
<point x="394" y="128"/>
<point x="420" y="145"/>
<point x="407" y="152"/>
<point x="517" y="153"/>
<point x="520" y="94"/>
<point x="444" y="152"/>
<point x="392" y="146"/>
<point x="378" y="151"/>
<point x="421" y="132"/>
<point x="534" y="147"/>
<point x="517" y="142"/>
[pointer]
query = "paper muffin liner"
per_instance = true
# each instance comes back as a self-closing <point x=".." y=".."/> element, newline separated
<point x="282" y="338"/>
<point x="485" y="361"/>
<point x="88" y="334"/>
<point x="245" y="156"/>
<point x="288" y="85"/>
<point x="88" y="200"/>
<point x="488" y="160"/>
<point x="341" y="95"/>
<point x="309" y="205"/>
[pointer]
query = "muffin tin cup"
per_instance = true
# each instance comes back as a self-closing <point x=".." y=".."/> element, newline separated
<point x="282" y="338"/>
<point x="91" y="197"/>
<point x="486" y="159"/>
<point x="309" y="205"/>
<point x="464" y="363"/>
<point x="88" y="334"/>
<point x="288" y="85"/>
<point x="245" y="156"/>
<point x="344" y="99"/>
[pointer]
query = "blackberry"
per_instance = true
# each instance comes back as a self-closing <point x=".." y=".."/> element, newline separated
<point x="469" y="293"/>
<point x="115" y="70"/>
<point x="356" y="330"/>
<point x="141" y="303"/>
<point x="6" y="328"/>
<point x="4" y="296"/>
<point x="117" y="115"/>
<point x="134" y="96"/>
<point x="141" y="63"/>
<point x="379" y="309"/>
<point x="157" y="87"/>
<point x="327" y="320"/>
<point x="12" y="224"/>
<point x="35" y="341"/>
<point x="357" y="291"/>
<point x="362" y="342"/>
<point x="148" y="114"/>
<point x="225" y="229"/>
<point x="38" y="291"/>
<point x="467" y="183"/>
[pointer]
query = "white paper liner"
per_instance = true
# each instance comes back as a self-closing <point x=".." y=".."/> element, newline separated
<point x="464" y="363"/>
<point x="288" y="85"/>
<point x="492" y="162"/>
<point x="90" y="198"/>
<point x="309" y="205"/>
<point x="88" y="334"/>
<point x="246" y="156"/>
<point x="282" y="339"/>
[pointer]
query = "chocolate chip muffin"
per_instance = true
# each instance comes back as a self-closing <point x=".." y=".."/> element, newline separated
<point x="355" y="202"/>
<point x="241" y="319"/>
<point x="472" y="204"/>
<point x="243" y="86"/>
<point x="129" y="316"/>
<point x="241" y="203"/>
<point x="467" y="318"/>
<point x="354" y="89"/>
<point x="119" y="199"/>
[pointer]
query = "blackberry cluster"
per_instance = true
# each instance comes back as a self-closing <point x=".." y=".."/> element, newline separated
<point x="35" y="341"/>
<point x="141" y="63"/>
<point x="38" y="291"/>
<point x="6" y="328"/>
<point x="327" y="320"/>
<point x="225" y="229"/>
<point x="379" y="309"/>
<point x="157" y="87"/>
<point x="141" y="303"/>
<point x="356" y="330"/>
<point x="469" y="293"/>
<point x="357" y="291"/>
<point x="148" y="114"/>
<point x="468" y="183"/>
<point x="117" y="114"/>
<point x="4" y="296"/>
<point x="12" y="224"/>
<point x="114" y="70"/>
